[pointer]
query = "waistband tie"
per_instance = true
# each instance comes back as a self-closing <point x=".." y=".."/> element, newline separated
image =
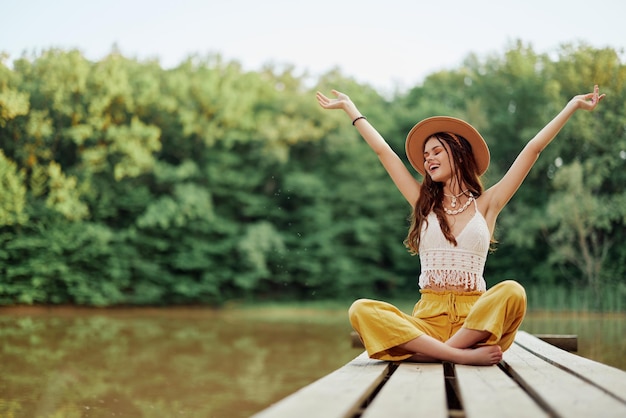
<point x="453" y="314"/>
<point x="451" y="299"/>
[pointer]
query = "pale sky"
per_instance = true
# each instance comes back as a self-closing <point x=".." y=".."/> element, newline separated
<point x="384" y="43"/>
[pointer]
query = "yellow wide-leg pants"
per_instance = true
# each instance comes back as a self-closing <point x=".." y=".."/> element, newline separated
<point x="383" y="327"/>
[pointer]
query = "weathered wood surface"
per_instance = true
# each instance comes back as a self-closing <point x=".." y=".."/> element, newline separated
<point x="488" y="392"/>
<point x="563" y="341"/>
<point x="534" y="379"/>
<point x="339" y="394"/>
<point x="416" y="390"/>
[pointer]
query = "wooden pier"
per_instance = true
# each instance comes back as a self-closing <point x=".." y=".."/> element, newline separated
<point x="534" y="379"/>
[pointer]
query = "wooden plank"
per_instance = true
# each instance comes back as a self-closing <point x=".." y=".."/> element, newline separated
<point x="414" y="390"/>
<point x="488" y="392"/>
<point x="609" y="378"/>
<point x="567" y="342"/>
<point x="338" y="394"/>
<point x="558" y="391"/>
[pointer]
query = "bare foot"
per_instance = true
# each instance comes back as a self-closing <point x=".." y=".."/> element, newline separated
<point x="486" y="355"/>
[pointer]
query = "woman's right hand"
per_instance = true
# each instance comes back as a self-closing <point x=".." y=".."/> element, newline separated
<point x="341" y="102"/>
<point x="588" y="101"/>
<point x="404" y="180"/>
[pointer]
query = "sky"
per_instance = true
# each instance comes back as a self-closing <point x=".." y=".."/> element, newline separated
<point x="390" y="44"/>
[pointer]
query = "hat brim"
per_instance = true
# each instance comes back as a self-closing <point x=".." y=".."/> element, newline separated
<point x="423" y="130"/>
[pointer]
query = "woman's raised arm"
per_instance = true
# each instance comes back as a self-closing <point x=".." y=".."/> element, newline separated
<point x="401" y="176"/>
<point x="500" y="193"/>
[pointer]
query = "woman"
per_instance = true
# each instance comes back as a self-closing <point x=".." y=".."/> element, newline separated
<point x="453" y="219"/>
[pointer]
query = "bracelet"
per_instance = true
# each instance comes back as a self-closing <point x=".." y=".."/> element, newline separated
<point x="360" y="117"/>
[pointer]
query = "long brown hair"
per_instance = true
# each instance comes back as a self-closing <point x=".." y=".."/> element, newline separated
<point x="430" y="199"/>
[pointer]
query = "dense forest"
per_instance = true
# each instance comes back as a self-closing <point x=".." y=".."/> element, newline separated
<point x="125" y="183"/>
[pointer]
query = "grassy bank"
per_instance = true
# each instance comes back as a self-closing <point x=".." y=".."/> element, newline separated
<point x="540" y="298"/>
<point x="610" y="298"/>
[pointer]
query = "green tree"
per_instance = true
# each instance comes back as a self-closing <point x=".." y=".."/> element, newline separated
<point x="126" y="183"/>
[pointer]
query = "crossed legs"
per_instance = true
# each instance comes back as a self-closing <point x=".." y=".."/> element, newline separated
<point x="460" y="349"/>
<point x="504" y="304"/>
<point x="500" y="310"/>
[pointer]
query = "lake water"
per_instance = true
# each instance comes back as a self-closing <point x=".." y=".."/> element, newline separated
<point x="182" y="362"/>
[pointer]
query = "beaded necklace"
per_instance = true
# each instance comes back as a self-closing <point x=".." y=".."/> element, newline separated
<point x="453" y="197"/>
<point x="462" y="208"/>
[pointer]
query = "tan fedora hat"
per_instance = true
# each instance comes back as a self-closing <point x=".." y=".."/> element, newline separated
<point x="428" y="127"/>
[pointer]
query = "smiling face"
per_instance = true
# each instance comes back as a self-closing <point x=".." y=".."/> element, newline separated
<point x="437" y="160"/>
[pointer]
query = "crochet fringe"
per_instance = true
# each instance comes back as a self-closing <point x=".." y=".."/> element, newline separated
<point x="455" y="279"/>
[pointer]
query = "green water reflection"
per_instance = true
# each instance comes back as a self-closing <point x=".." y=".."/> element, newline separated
<point x="197" y="362"/>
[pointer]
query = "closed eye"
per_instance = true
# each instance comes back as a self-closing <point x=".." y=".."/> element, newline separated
<point x="435" y="151"/>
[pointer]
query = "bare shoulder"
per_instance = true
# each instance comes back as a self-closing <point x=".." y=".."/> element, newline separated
<point x="487" y="208"/>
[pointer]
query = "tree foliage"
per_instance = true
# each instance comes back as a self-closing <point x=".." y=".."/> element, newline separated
<point x="126" y="183"/>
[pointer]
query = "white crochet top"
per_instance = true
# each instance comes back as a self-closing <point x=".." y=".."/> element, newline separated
<point x="446" y="267"/>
